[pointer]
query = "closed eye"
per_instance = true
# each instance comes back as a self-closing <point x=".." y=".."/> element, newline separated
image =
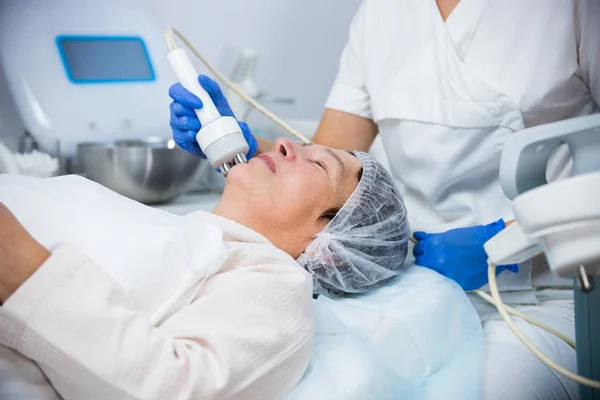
<point x="320" y="164"/>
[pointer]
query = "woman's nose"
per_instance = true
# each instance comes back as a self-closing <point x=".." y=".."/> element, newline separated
<point x="286" y="148"/>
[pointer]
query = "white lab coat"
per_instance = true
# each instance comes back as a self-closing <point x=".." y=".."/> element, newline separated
<point x="445" y="96"/>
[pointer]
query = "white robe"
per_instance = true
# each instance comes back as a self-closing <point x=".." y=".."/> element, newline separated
<point x="239" y="326"/>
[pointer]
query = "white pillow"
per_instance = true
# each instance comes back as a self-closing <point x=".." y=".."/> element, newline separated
<point x="418" y="337"/>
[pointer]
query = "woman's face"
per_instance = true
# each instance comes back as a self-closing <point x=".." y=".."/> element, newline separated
<point x="294" y="190"/>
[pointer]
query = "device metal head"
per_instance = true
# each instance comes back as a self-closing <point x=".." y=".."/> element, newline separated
<point x="240" y="158"/>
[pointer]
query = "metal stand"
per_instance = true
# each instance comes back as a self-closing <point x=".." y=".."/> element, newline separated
<point x="587" y="335"/>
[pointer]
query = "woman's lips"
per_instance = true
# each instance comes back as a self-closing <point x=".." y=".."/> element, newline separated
<point x="269" y="161"/>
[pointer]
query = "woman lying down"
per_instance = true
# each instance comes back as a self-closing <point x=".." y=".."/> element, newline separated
<point x="115" y="300"/>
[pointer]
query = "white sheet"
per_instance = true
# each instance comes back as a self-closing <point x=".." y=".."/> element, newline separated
<point x="22" y="379"/>
<point x="416" y="338"/>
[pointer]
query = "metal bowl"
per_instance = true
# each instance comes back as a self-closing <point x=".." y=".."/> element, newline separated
<point x="150" y="170"/>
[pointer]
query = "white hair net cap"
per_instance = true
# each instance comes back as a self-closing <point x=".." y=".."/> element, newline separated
<point x="365" y="244"/>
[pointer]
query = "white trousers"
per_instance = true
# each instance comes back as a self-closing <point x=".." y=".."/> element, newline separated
<point x="511" y="371"/>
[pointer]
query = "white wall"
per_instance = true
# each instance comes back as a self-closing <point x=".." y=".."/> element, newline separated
<point x="299" y="42"/>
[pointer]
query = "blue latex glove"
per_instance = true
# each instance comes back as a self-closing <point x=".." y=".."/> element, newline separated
<point x="459" y="254"/>
<point x="185" y="124"/>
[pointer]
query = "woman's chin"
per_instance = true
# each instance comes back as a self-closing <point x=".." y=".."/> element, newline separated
<point x="239" y="170"/>
<point x="247" y="175"/>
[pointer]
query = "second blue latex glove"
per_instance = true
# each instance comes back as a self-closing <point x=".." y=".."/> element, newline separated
<point x="185" y="124"/>
<point x="459" y="254"/>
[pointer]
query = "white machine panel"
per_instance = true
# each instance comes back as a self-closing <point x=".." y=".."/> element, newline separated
<point x="86" y="70"/>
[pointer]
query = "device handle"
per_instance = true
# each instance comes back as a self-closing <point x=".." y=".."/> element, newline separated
<point x="525" y="154"/>
<point x="188" y="77"/>
<point x="511" y="246"/>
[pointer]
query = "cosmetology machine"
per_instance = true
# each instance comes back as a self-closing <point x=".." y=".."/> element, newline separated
<point x="90" y="83"/>
<point x="560" y="219"/>
<point x="83" y="71"/>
